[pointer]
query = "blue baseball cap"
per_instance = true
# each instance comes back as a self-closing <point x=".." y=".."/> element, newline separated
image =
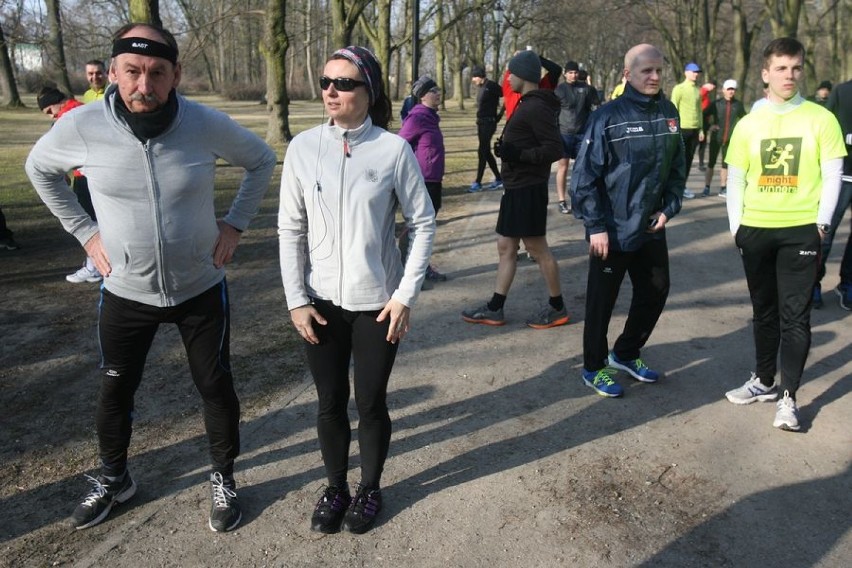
<point x="691" y="66"/>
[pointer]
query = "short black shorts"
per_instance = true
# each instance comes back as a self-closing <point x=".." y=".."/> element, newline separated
<point x="523" y="212"/>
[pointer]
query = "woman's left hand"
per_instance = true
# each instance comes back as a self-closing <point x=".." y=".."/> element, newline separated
<point x="399" y="314"/>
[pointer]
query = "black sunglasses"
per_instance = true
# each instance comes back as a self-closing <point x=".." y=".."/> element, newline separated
<point x="344" y="84"/>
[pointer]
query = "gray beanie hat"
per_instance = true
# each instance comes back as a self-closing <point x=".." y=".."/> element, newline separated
<point x="422" y="86"/>
<point x="526" y="65"/>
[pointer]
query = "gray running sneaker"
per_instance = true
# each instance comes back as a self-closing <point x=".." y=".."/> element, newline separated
<point x="549" y="317"/>
<point x="481" y="314"/>
<point x="787" y="414"/>
<point x="104" y="495"/>
<point x="225" y="511"/>
<point x="753" y="391"/>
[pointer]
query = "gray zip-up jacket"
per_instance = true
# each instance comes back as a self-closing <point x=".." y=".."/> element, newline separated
<point x="154" y="201"/>
<point x="340" y="190"/>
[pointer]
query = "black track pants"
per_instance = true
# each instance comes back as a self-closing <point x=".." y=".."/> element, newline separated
<point x="781" y="269"/>
<point x="648" y="268"/>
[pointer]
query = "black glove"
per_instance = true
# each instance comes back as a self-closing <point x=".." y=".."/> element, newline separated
<point x="498" y="147"/>
<point x="510" y="153"/>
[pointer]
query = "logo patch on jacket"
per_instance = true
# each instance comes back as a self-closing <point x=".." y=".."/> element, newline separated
<point x="672" y="125"/>
<point x="372" y="175"/>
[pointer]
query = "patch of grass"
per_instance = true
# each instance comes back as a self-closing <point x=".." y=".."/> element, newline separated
<point x="21" y="128"/>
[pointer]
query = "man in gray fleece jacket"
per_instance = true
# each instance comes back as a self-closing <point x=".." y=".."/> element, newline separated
<point x="150" y="157"/>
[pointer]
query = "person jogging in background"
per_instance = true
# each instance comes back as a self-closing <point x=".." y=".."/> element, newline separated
<point x="488" y="114"/>
<point x="530" y="143"/>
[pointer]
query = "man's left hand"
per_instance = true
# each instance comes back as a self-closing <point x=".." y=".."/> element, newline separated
<point x="660" y="223"/>
<point x="700" y="135"/>
<point x="226" y="244"/>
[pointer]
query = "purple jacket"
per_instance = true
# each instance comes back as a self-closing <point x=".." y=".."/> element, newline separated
<point x="421" y="130"/>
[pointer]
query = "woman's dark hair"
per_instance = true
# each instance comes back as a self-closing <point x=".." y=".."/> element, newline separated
<point x="380" y="110"/>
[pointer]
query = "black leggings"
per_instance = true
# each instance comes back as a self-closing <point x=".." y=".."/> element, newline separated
<point x="485" y="130"/>
<point x="126" y="330"/>
<point x="352" y="335"/>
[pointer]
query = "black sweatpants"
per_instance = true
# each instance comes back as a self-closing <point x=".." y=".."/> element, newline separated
<point x="357" y="336"/>
<point x="126" y="330"/>
<point x="485" y="129"/>
<point x="648" y="268"/>
<point x="781" y="268"/>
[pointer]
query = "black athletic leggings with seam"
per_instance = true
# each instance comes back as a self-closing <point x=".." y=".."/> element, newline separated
<point x="359" y="337"/>
<point x="126" y="330"/>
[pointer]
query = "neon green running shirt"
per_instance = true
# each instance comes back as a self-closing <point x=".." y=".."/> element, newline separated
<point x="781" y="155"/>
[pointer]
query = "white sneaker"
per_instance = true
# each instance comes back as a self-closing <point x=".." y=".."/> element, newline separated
<point x="688" y="194"/>
<point x="84" y="275"/>
<point x="752" y="391"/>
<point x="787" y="415"/>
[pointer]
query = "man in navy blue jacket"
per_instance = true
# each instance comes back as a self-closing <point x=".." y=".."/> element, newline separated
<point x="627" y="183"/>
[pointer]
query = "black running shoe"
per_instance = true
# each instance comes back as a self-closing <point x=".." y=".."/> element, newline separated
<point x="361" y="515"/>
<point x="328" y="514"/>
<point x="225" y="512"/>
<point x="97" y="504"/>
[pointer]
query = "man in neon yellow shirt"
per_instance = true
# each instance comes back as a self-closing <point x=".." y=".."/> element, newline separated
<point x="687" y="99"/>
<point x="784" y="167"/>
<point x="96" y="76"/>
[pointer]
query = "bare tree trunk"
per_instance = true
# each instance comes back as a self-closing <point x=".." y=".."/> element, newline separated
<point x="147" y="11"/>
<point x="309" y="54"/>
<point x="344" y="17"/>
<point x="745" y="36"/>
<point x="275" y="46"/>
<point x="195" y="26"/>
<point x="784" y="16"/>
<point x="7" y="75"/>
<point x="57" y="47"/>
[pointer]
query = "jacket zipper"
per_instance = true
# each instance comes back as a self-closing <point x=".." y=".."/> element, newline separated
<point x="157" y="219"/>
<point x="340" y="210"/>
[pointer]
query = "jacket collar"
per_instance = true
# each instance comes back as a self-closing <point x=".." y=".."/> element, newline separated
<point x="353" y="135"/>
<point x="638" y="98"/>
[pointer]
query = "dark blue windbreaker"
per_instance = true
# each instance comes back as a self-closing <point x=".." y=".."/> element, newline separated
<point x="630" y="165"/>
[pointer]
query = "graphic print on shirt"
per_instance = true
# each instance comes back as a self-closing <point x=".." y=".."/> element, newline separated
<point x="780" y="160"/>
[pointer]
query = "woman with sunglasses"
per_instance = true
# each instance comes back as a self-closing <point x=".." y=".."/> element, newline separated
<point x="348" y="293"/>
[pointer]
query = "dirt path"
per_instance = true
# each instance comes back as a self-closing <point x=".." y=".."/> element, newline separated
<point x="500" y="456"/>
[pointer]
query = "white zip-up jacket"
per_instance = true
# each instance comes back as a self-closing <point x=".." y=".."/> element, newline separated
<point x="154" y="201"/>
<point x="340" y="191"/>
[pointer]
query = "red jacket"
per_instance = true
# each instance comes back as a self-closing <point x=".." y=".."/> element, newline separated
<point x="70" y="104"/>
<point x="549" y="81"/>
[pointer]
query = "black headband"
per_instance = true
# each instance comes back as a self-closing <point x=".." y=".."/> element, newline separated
<point x="144" y="46"/>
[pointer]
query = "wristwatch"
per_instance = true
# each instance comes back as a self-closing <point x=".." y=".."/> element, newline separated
<point x="824" y="228"/>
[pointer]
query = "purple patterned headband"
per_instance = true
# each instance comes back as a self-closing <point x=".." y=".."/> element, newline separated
<point x="367" y="65"/>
